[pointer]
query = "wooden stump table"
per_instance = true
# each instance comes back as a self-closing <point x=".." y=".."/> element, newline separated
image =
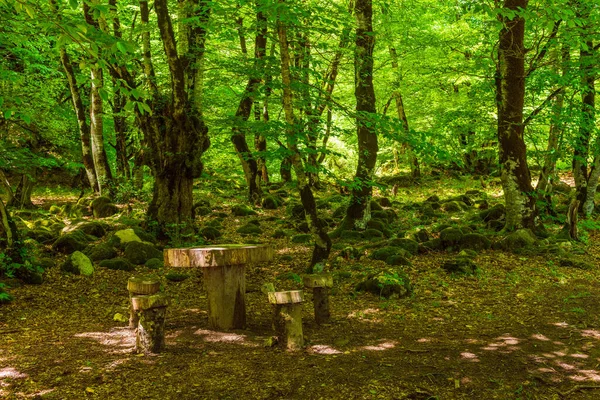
<point x="224" y="271"/>
<point x="287" y="318"/>
<point x="150" y="331"/>
<point x="320" y="284"/>
<point x="140" y="285"/>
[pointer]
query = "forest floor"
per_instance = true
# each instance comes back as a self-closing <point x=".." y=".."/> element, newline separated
<point x="522" y="327"/>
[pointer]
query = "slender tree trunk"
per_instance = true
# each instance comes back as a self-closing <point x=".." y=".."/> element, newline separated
<point x="510" y="87"/>
<point x="260" y="145"/>
<point x="315" y="224"/>
<point x="9" y="237"/>
<point x="22" y="195"/>
<point x="5" y="184"/>
<point x="359" y="210"/>
<point x="248" y="161"/>
<point x="415" y="168"/>
<point x="586" y="179"/>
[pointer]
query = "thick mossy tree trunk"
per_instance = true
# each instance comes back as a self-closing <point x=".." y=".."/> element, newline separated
<point x="510" y="92"/>
<point x="315" y="224"/>
<point x="586" y="177"/>
<point x="359" y="210"/>
<point x="252" y="171"/>
<point x="175" y="132"/>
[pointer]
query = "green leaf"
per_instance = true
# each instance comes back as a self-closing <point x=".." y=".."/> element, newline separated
<point x="103" y="94"/>
<point x="74" y="4"/>
<point x="122" y="47"/>
<point x="7" y="114"/>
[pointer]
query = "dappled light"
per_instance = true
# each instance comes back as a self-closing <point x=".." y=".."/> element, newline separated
<point x="384" y="345"/>
<point x="224" y="337"/>
<point x="323" y="350"/>
<point x="117" y="340"/>
<point x="13" y="373"/>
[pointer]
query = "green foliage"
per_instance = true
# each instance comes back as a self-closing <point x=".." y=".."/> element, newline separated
<point x="5" y="297"/>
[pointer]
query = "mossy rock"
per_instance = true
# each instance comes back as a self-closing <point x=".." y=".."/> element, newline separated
<point x="411" y="246"/>
<point x="431" y="245"/>
<point x="29" y="276"/>
<point x="451" y="237"/>
<point x="427" y="211"/>
<point x="79" y="264"/>
<point x="215" y="223"/>
<point x="282" y="193"/>
<point x="398" y="260"/>
<point x="279" y="234"/>
<point x="517" y="240"/>
<point x="271" y="202"/>
<point x="242" y="211"/>
<point x="103" y="207"/>
<point x="303" y="238"/>
<point x="373" y="234"/>
<point x="44" y="262"/>
<point x="303" y="227"/>
<point x="378" y="224"/>
<point x="94" y="228"/>
<point x="176" y="276"/>
<point x="352" y="236"/>
<point x="210" y="233"/>
<point x="475" y="241"/>
<point x="433" y="199"/>
<point x="575" y="262"/>
<point x="375" y="206"/>
<point x="70" y="242"/>
<point x="202" y="211"/>
<point x="460" y="265"/>
<point x="451" y="206"/>
<point x="296" y="210"/>
<point x="139" y="252"/>
<point x="381" y="215"/>
<point x="249" y="229"/>
<point x="495" y="213"/>
<point x="385" y="252"/>
<point x="121" y="237"/>
<point x="422" y="235"/>
<point x="103" y="251"/>
<point x="202" y="203"/>
<point x="387" y="283"/>
<point x="41" y="235"/>
<point x="154" y="263"/>
<point x="384" y="202"/>
<point x="119" y="264"/>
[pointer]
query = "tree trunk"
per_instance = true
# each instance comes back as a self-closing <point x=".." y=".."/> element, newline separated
<point x="250" y="166"/>
<point x="5" y="184"/>
<point x="586" y="179"/>
<point x="510" y="92"/>
<point x="415" y="168"/>
<point x="9" y="236"/>
<point x="359" y="210"/>
<point x="101" y="166"/>
<point x="315" y="224"/>
<point x="22" y="195"/>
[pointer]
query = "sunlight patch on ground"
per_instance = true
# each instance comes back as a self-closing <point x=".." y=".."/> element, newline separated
<point x="224" y="337"/>
<point x="114" y="364"/>
<point x="365" y="315"/>
<point x="424" y="340"/>
<point x="539" y="336"/>
<point x="470" y="356"/>
<point x="586" y="375"/>
<point x="561" y="324"/>
<point x="390" y="344"/>
<point x="10" y="372"/>
<point x="591" y="333"/>
<point x="120" y="340"/>
<point x="323" y="349"/>
<point x="577" y="355"/>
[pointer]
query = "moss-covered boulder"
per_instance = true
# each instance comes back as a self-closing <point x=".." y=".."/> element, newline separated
<point x="452" y="206"/>
<point x="422" y="235"/>
<point x="78" y="263"/>
<point x="433" y="199"/>
<point x="202" y="211"/>
<point x="384" y="253"/>
<point x="124" y="236"/>
<point x="398" y="260"/>
<point x="351" y="236"/>
<point x="494" y="213"/>
<point x="103" y="251"/>
<point x="296" y="210"/>
<point x="242" y="211"/>
<point x="373" y="234"/>
<point x="475" y="241"/>
<point x="451" y="237"/>
<point x="249" y="229"/>
<point x="384" y="202"/>
<point x="303" y="227"/>
<point x="575" y="262"/>
<point x="271" y="202"/>
<point x="154" y="263"/>
<point x="119" y="264"/>
<point x="517" y="240"/>
<point x="411" y="246"/>
<point x="70" y="242"/>
<point x="210" y="233"/>
<point x="44" y="262"/>
<point x="279" y="234"/>
<point x="176" y="276"/>
<point x="350" y="253"/>
<point x="387" y="283"/>
<point x="94" y="228"/>
<point x="378" y="224"/>
<point x="41" y="235"/>
<point x="460" y="265"/>
<point x="140" y="252"/>
<point x="103" y="207"/>
<point x="303" y="238"/>
<point x="431" y="245"/>
<point x="375" y="206"/>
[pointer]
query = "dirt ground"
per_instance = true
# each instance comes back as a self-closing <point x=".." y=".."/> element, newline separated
<point x="522" y="328"/>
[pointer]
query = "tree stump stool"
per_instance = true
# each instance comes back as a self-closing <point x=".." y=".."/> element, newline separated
<point x="140" y="285"/>
<point x="287" y="318"/>
<point x="224" y="272"/>
<point x="320" y="284"/>
<point x="150" y="332"/>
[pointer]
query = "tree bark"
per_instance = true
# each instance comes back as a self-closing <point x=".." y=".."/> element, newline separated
<point x="9" y="236"/>
<point x="359" y="210"/>
<point x="315" y="224"/>
<point x="510" y="92"/>
<point x="22" y="195"/>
